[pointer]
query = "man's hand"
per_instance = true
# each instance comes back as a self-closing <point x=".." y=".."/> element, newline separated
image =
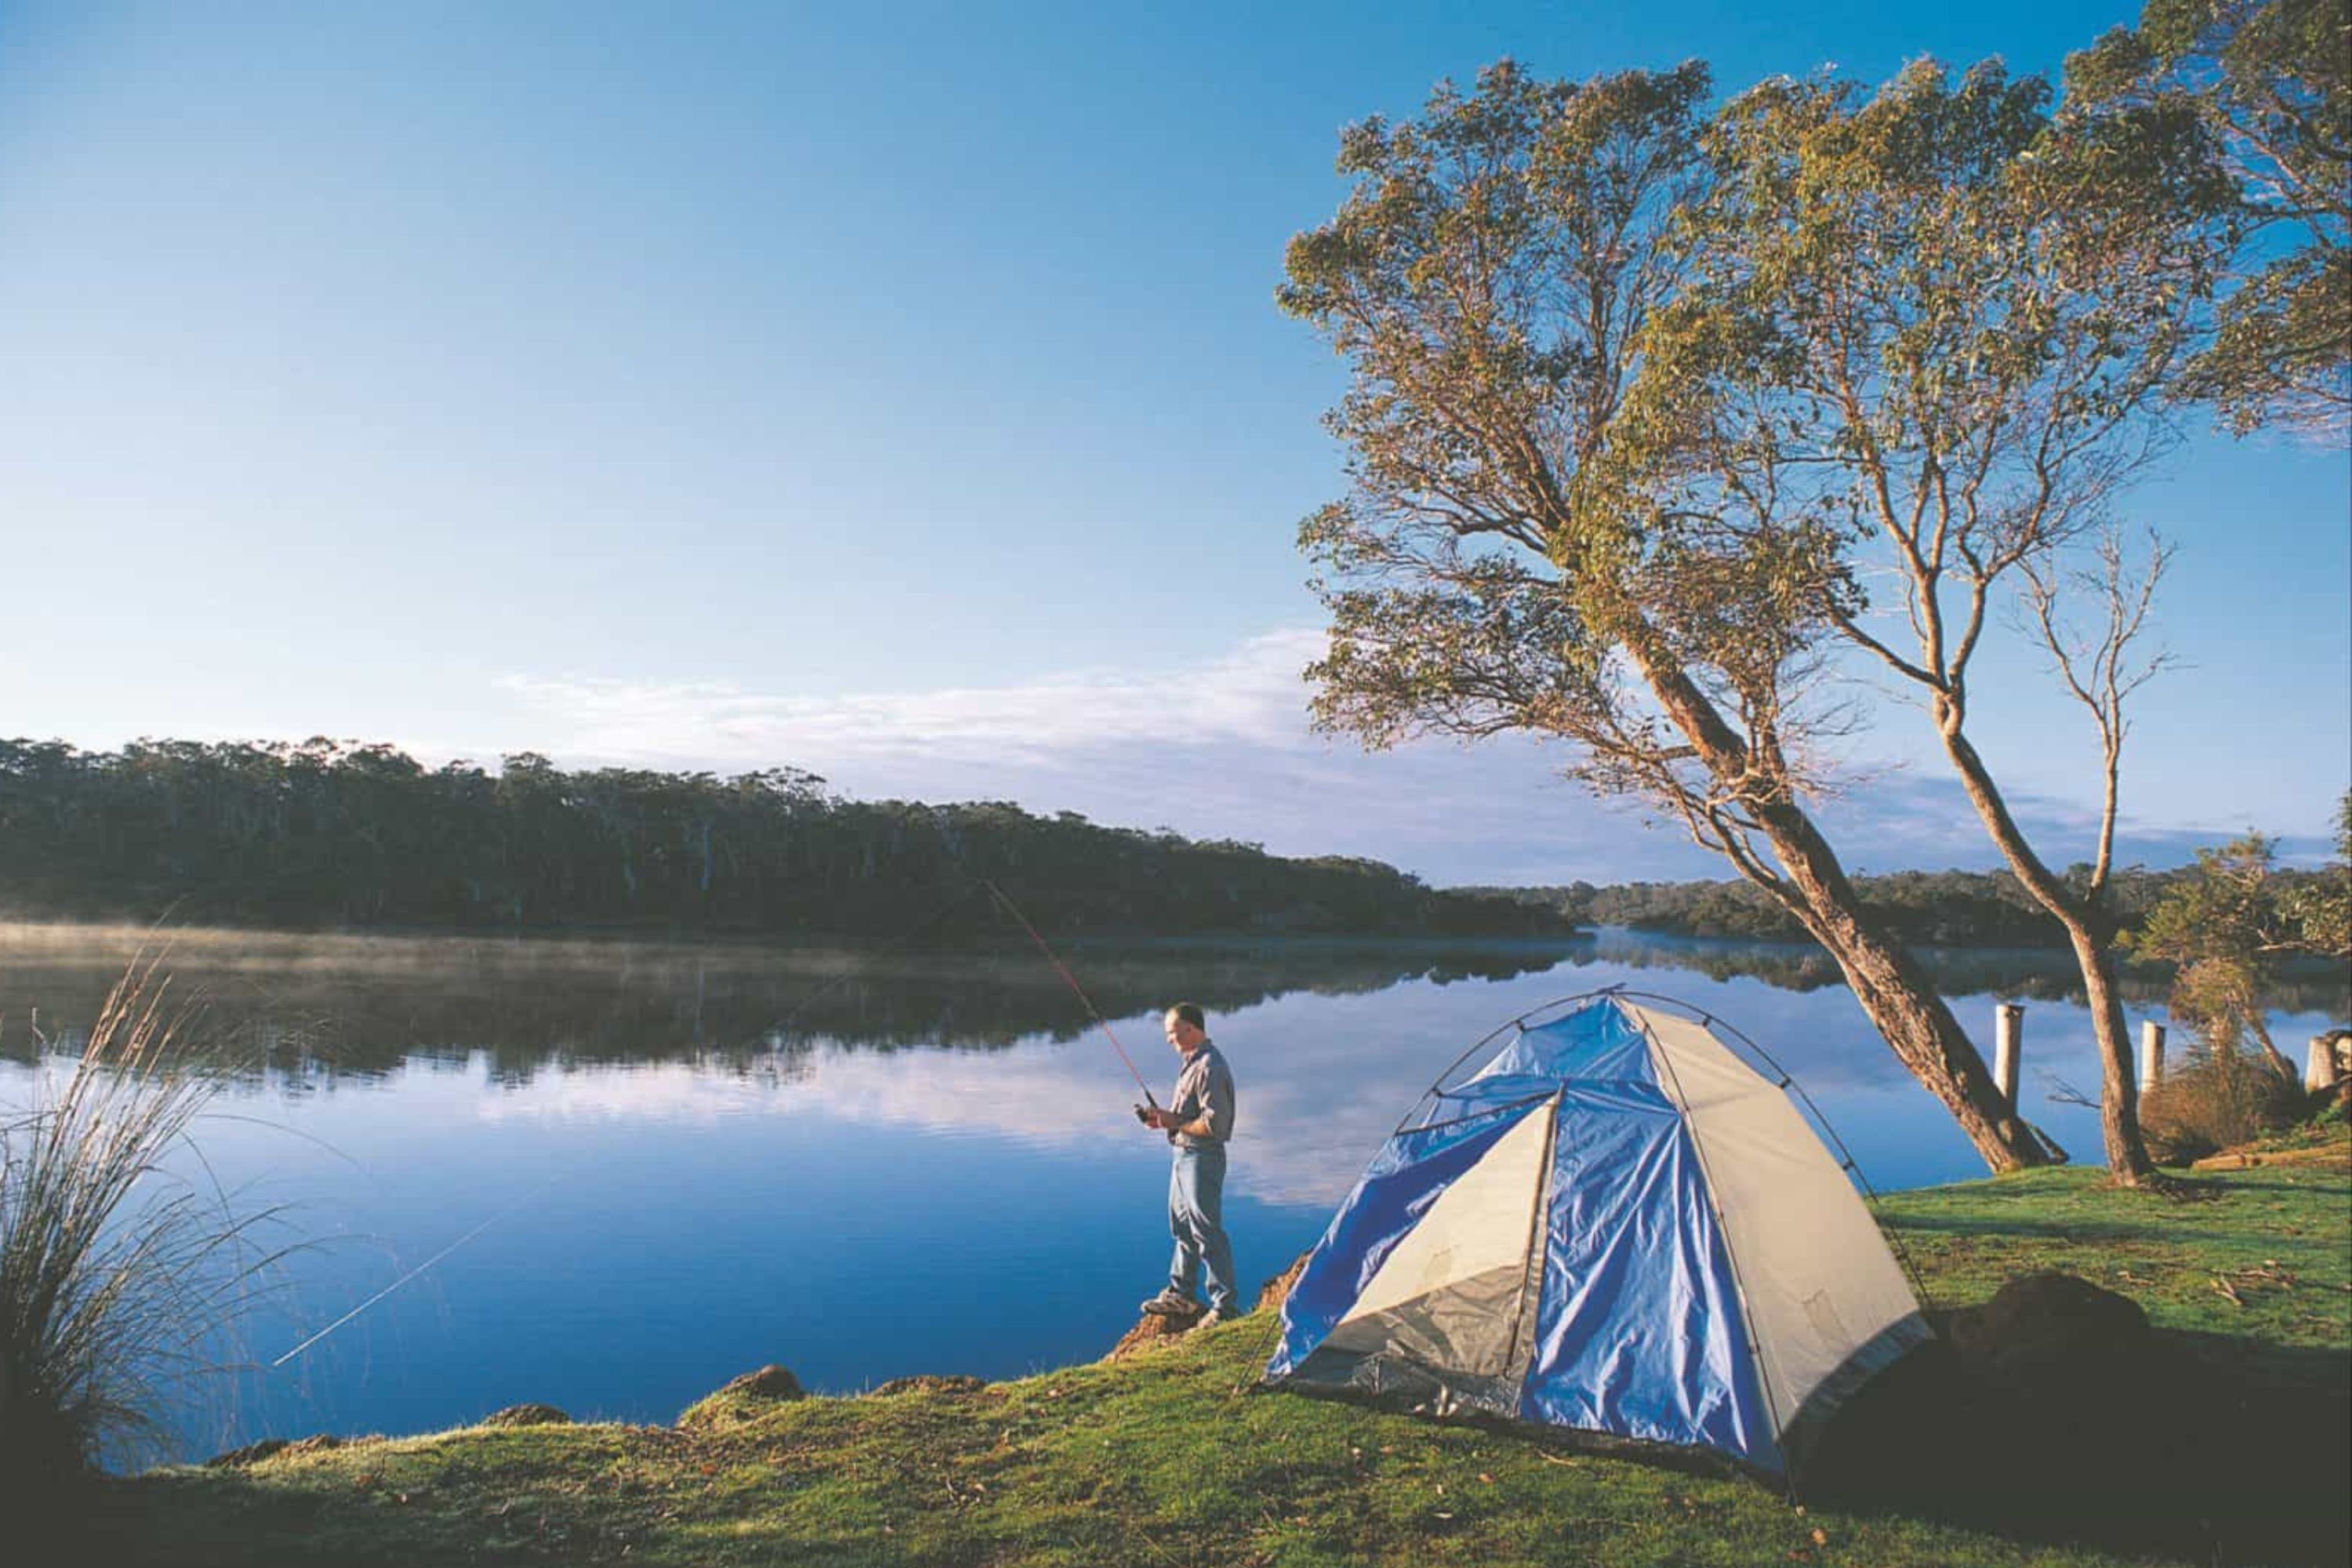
<point x="1158" y="1119"/>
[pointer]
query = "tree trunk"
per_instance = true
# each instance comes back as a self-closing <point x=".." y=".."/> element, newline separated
<point x="2127" y="1158"/>
<point x="2278" y="1059"/>
<point x="1900" y="999"/>
<point x="1894" y="990"/>
<point x="2087" y="930"/>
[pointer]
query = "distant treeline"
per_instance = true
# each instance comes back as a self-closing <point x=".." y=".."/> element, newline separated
<point x="345" y="835"/>
<point x="1939" y="908"/>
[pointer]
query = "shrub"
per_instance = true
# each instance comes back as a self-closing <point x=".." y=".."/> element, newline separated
<point x="116" y="1276"/>
<point x="2216" y="1100"/>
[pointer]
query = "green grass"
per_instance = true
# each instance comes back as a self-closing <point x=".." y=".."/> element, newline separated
<point x="2281" y="1237"/>
<point x="1170" y="1459"/>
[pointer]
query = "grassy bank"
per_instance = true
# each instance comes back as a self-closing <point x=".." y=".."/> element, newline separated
<point x="1169" y="1458"/>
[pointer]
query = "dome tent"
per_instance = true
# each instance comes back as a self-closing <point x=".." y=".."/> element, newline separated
<point x="1615" y="1227"/>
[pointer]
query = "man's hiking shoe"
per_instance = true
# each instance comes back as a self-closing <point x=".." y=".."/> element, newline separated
<point x="1170" y="1303"/>
<point x="1215" y="1315"/>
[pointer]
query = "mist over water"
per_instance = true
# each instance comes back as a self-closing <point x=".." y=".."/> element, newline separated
<point x="613" y="1175"/>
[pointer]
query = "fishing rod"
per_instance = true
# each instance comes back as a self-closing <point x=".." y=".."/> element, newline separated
<point x="1005" y="899"/>
<point x="1072" y="981"/>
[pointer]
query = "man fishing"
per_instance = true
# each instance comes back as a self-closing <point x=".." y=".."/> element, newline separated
<point x="1198" y="1120"/>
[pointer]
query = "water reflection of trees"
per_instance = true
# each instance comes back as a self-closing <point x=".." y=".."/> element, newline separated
<point x="2031" y="974"/>
<point x="527" y="1006"/>
<point x="319" y="1007"/>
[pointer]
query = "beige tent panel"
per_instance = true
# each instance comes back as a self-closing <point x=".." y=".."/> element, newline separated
<point x="1814" y="1274"/>
<point x="1468" y="1253"/>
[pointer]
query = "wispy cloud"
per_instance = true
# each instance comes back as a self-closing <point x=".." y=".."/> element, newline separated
<point x="1224" y="750"/>
<point x="1221" y="749"/>
<point x="1253" y="694"/>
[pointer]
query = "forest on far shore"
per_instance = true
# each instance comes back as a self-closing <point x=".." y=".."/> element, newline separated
<point x="341" y="834"/>
<point x="1920" y="909"/>
<point x="365" y="836"/>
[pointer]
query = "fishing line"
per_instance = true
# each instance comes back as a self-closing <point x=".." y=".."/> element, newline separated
<point x="1073" y="981"/>
<point x="412" y="1273"/>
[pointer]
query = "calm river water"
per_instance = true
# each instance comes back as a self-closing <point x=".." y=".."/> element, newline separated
<point x="610" y="1176"/>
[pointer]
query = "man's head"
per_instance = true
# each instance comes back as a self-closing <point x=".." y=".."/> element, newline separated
<point x="1186" y="1026"/>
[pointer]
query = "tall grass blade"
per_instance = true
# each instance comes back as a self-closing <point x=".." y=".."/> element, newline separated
<point x="118" y="1274"/>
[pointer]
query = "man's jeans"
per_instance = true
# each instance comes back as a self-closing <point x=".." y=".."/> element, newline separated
<point x="1196" y="1209"/>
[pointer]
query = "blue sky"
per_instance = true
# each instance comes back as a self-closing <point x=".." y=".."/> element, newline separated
<point x="892" y="392"/>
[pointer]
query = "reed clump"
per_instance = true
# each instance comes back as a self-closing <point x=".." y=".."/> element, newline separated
<point x="2219" y="1098"/>
<point x="119" y="1276"/>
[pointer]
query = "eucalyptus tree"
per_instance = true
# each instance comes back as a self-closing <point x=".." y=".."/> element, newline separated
<point x="1492" y="280"/>
<point x="2221" y="925"/>
<point x="2228" y="923"/>
<point x="1924" y="345"/>
<point x="2273" y="81"/>
<point x="2321" y="908"/>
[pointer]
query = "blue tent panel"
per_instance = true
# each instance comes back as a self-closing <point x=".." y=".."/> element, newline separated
<point x="1638" y="1327"/>
<point x="1490" y="1091"/>
<point x="1596" y="1041"/>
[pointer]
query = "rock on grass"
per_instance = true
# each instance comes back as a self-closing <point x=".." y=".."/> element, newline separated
<point x="928" y="1383"/>
<point x="1150" y="1331"/>
<point x="744" y="1398"/>
<point x="531" y="1415"/>
<point x="269" y="1448"/>
<point x="251" y="1454"/>
<point x="1277" y="1291"/>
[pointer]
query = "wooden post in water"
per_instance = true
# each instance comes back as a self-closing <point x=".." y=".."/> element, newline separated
<point x="2008" y="1046"/>
<point x="2319" y="1067"/>
<point x="2151" y="1054"/>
